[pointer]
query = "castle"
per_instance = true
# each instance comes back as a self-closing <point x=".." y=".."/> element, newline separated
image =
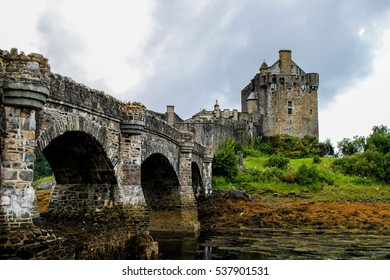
<point x="280" y="99"/>
<point x="128" y="169"/>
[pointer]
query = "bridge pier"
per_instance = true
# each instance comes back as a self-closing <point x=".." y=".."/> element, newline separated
<point x="23" y="93"/>
<point x="132" y="129"/>
<point x="187" y="197"/>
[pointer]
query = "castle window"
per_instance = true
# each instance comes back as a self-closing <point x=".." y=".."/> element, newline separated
<point x="311" y="111"/>
<point x="289" y="107"/>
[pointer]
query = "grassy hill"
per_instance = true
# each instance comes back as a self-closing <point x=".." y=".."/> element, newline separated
<point x="323" y="184"/>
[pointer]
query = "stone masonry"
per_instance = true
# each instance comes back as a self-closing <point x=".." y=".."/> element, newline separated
<point x="98" y="148"/>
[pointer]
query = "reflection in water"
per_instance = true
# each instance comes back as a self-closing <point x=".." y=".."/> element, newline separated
<point x="277" y="245"/>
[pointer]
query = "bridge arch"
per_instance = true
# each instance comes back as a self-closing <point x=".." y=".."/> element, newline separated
<point x="84" y="175"/>
<point x="197" y="181"/>
<point x="53" y="122"/>
<point x="160" y="183"/>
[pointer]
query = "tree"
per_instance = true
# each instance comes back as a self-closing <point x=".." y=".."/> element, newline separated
<point x="42" y="168"/>
<point x="326" y="148"/>
<point x="379" y="139"/>
<point x="349" y="147"/>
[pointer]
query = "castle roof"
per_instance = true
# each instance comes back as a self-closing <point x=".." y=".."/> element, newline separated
<point x="252" y="96"/>
<point x="264" y="66"/>
<point x="295" y="69"/>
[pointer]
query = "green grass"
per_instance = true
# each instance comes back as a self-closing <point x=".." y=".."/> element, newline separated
<point x="266" y="182"/>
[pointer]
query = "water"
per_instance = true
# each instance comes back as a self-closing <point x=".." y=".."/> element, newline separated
<point x="274" y="244"/>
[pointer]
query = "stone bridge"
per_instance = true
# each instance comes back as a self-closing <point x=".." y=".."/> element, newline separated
<point x="103" y="153"/>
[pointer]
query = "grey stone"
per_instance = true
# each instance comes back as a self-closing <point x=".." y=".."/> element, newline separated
<point x="32" y="65"/>
<point x="26" y="175"/>
<point x="45" y="186"/>
<point x="28" y="157"/>
<point x="8" y="174"/>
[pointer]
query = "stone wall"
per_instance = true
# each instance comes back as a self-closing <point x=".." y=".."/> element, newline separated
<point x="213" y="131"/>
<point x="66" y="91"/>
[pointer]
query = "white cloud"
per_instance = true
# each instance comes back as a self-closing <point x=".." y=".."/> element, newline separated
<point x="110" y="32"/>
<point x="364" y="105"/>
<point x="17" y="24"/>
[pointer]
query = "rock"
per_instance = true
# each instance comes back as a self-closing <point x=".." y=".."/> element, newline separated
<point x="26" y="175"/>
<point x="142" y="247"/>
<point x="291" y="194"/>
<point x="46" y="185"/>
<point x="236" y="195"/>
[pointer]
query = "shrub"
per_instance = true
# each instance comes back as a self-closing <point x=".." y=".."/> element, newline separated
<point x="307" y="175"/>
<point x="219" y="182"/>
<point x="225" y="159"/>
<point x="264" y="147"/>
<point x="289" y="177"/>
<point x="326" y="176"/>
<point x="371" y="163"/>
<point x="278" y="161"/>
<point x="251" y="153"/>
<point x="251" y="175"/>
<point x="316" y="159"/>
<point x="273" y="174"/>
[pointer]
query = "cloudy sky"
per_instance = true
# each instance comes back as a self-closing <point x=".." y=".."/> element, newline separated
<point x="190" y="53"/>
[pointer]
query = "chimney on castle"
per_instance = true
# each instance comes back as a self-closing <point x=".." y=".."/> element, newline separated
<point x="171" y="114"/>
<point x="285" y="62"/>
<point x="217" y="112"/>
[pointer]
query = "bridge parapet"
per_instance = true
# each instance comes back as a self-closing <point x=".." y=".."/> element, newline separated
<point x="162" y="128"/>
<point x="24" y="79"/>
<point x="67" y="91"/>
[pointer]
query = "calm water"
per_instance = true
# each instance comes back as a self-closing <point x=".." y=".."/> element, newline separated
<point x="277" y="245"/>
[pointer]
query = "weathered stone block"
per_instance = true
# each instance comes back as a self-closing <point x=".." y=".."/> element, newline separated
<point x="37" y="221"/>
<point x="27" y="175"/>
<point x="8" y="174"/>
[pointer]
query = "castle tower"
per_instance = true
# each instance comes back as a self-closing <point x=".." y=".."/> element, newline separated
<point x="287" y="99"/>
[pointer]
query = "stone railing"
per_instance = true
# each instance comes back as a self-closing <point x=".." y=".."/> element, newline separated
<point x="66" y="90"/>
<point x="199" y="149"/>
<point x="26" y="80"/>
<point x="162" y="128"/>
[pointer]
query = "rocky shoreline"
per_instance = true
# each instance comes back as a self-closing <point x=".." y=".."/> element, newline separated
<point x="235" y="209"/>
